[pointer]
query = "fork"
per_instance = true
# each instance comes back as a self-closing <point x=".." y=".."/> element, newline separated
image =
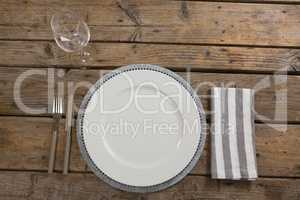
<point x="57" y="111"/>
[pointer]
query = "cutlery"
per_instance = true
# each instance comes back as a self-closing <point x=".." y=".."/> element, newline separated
<point x="57" y="110"/>
<point x="69" y="127"/>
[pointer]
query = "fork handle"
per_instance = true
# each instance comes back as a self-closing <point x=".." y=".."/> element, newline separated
<point x="53" y="145"/>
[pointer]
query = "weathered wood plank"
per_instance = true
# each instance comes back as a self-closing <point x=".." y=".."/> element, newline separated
<point x="110" y="2"/>
<point x="33" y="91"/>
<point x="25" y="143"/>
<point x="38" y="186"/>
<point x="148" y="21"/>
<point x="272" y="150"/>
<point x="195" y="57"/>
<point x="255" y="1"/>
<point x="25" y="146"/>
<point x="271" y="102"/>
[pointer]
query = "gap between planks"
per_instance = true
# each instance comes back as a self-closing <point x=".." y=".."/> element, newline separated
<point x="199" y="70"/>
<point x="58" y="172"/>
<point x="46" y="116"/>
<point x="163" y="43"/>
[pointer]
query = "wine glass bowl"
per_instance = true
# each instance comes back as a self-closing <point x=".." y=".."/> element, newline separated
<point x="70" y="32"/>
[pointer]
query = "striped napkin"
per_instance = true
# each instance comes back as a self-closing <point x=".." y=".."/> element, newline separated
<point x="233" y="134"/>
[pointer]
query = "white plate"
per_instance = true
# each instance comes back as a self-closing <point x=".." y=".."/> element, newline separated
<point x="141" y="128"/>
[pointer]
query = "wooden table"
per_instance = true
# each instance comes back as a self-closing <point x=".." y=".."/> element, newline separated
<point x="243" y="43"/>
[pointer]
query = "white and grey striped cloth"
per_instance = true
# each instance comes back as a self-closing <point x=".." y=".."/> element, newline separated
<point x="233" y="134"/>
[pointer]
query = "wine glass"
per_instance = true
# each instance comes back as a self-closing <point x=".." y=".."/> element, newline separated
<point x="70" y="32"/>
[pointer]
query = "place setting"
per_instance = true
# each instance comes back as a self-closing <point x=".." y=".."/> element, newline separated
<point x="142" y="127"/>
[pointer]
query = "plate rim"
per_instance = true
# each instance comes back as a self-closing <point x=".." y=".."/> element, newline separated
<point x="140" y="189"/>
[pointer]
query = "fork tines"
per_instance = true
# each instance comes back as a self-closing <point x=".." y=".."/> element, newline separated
<point x="57" y="106"/>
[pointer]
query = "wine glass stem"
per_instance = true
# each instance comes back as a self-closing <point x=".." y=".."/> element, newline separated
<point x="82" y="56"/>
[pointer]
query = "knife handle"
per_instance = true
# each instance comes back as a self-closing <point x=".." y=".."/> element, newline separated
<point x="67" y="150"/>
<point x="53" y="145"/>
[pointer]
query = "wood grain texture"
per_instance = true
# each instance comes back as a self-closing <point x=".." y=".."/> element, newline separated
<point x="35" y="86"/>
<point x="162" y="21"/>
<point x="177" y="57"/>
<point x="25" y="146"/>
<point x="38" y="186"/>
<point x="254" y="1"/>
<point x="224" y="43"/>
<point x="110" y="2"/>
<point x="271" y="102"/>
